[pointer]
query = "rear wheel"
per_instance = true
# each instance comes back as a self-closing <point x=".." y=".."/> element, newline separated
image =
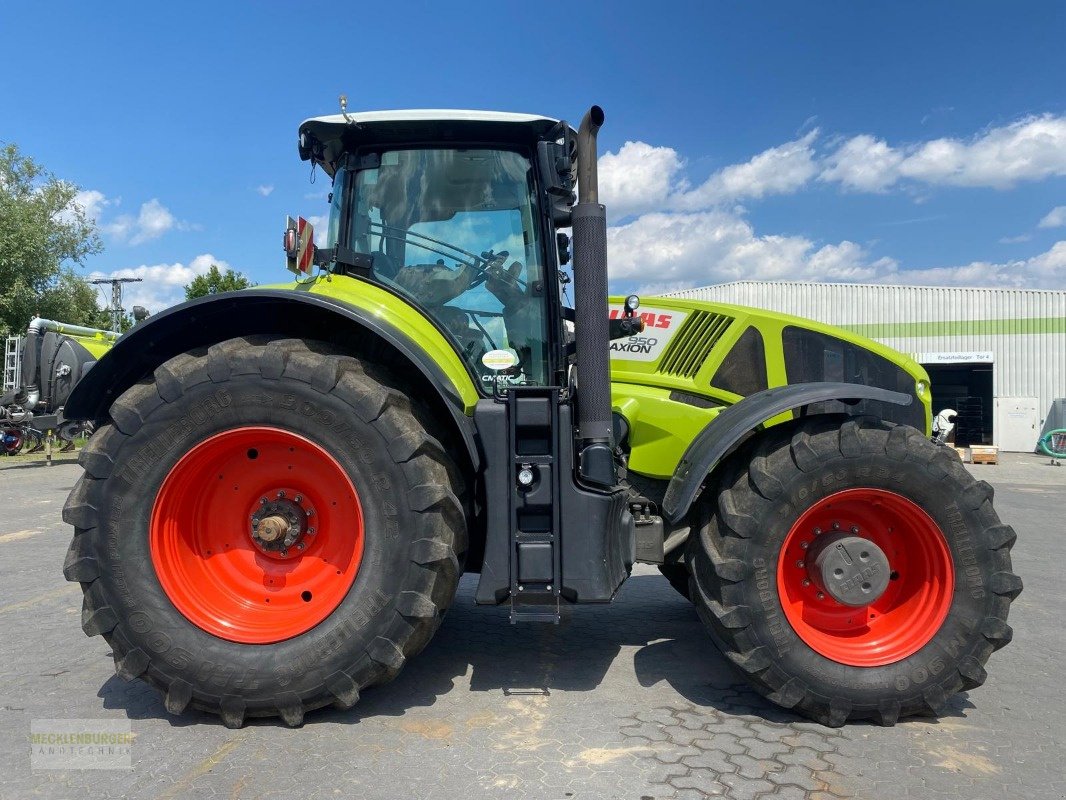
<point x="264" y="528"/>
<point x="854" y="571"/>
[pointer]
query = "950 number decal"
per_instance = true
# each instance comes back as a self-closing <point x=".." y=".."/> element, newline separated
<point x="660" y="325"/>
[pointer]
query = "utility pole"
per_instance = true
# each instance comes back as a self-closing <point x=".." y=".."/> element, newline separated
<point x="116" y="308"/>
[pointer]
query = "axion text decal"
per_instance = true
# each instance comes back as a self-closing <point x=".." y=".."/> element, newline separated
<point x="660" y="325"/>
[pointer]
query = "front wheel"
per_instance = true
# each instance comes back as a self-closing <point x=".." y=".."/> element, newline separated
<point x="263" y="528"/>
<point x="854" y="570"/>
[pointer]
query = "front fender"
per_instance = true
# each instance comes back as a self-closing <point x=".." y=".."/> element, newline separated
<point x="732" y="424"/>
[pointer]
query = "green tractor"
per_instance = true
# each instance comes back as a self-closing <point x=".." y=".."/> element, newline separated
<point x="287" y="482"/>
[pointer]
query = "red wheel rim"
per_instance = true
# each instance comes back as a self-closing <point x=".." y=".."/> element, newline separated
<point x="909" y="612"/>
<point x="201" y="537"/>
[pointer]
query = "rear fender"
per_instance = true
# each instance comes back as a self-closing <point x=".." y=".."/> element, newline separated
<point x="298" y="314"/>
<point x="720" y="435"/>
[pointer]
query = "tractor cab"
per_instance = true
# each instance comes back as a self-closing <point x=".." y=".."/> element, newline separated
<point x="447" y="209"/>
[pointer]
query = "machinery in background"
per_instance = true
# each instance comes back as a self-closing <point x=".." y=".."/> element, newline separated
<point x="40" y="370"/>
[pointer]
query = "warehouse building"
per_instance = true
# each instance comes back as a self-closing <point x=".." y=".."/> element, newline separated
<point x="998" y="356"/>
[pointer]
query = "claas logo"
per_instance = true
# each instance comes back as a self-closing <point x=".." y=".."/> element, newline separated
<point x="651" y="319"/>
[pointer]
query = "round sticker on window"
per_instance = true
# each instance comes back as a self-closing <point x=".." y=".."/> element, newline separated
<point x="499" y="359"/>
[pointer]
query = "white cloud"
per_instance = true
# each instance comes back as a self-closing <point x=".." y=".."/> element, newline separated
<point x="152" y="221"/>
<point x="863" y="163"/>
<point x="162" y="285"/>
<point x="265" y="189"/>
<point x="778" y="170"/>
<point x="1033" y="148"/>
<point x="641" y="177"/>
<point x="1044" y="271"/>
<point x="1055" y="218"/>
<point x="701" y="248"/>
<point x="665" y="252"/>
<point x="637" y="178"/>
<point x="321" y="225"/>
<point x="678" y="235"/>
<point x="1021" y="237"/>
<point x="90" y="202"/>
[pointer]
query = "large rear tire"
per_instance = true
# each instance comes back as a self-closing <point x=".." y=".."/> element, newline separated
<point x="927" y="546"/>
<point x="205" y="461"/>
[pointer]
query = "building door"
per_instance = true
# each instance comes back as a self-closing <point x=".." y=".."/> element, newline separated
<point x="1017" y="423"/>
<point x="965" y="386"/>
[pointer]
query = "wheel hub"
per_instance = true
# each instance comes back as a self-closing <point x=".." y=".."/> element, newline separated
<point x="851" y="569"/>
<point x="895" y="581"/>
<point x="281" y="523"/>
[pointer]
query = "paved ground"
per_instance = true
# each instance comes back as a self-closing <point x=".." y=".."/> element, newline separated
<point x="630" y="701"/>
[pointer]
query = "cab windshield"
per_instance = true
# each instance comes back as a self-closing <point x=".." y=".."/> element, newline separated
<point x="456" y="231"/>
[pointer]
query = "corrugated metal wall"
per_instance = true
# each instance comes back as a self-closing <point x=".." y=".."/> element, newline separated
<point x="1024" y="330"/>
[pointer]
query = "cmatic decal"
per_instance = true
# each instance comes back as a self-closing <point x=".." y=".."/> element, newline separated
<point x="660" y="325"/>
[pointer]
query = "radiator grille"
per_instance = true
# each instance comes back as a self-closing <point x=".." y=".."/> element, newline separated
<point x="693" y="343"/>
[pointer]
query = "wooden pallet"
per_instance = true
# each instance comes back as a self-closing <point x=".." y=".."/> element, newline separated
<point x="984" y="454"/>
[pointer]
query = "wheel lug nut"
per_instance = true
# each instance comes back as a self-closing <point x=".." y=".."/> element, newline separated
<point x="284" y="552"/>
<point x="821" y="596"/>
<point x="854" y="528"/>
<point x="800" y="563"/>
<point x="817" y="531"/>
<point x="804" y="545"/>
<point x="262" y="501"/>
<point x="310" y="531"/>
<point x="280" y="495"/>
<point x="806" y="582"/>
<point x="300" y="546"/>
<point x="310" y="512"/>
<point x="836" y="526"/>
<point x="298" y="498"/>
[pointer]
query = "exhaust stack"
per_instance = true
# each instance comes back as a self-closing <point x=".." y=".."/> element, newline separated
<point x="596" y="459"/>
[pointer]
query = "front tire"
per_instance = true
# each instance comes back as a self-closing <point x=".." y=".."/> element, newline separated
<point x="935" y="562"/>
<point x="171" y="542"/>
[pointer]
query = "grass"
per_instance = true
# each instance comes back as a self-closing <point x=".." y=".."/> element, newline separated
<point x="42" y="458"/>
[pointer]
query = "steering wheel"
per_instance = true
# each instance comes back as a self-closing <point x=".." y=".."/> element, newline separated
<point x="493" y="270"/>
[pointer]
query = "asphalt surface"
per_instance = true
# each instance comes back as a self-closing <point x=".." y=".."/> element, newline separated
<point x="627" y="701"/>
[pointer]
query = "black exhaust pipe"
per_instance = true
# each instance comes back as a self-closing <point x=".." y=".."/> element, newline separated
<point x="596" y="460"/>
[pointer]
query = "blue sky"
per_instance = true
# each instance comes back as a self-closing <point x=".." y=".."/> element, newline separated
<point x="906" y="141"/>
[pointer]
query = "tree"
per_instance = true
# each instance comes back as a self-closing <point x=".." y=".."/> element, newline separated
<point x="41" y="231"/>
<point x="215" y="281"/>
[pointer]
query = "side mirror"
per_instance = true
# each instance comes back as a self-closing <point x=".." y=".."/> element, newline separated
<point x="557" y="172"/>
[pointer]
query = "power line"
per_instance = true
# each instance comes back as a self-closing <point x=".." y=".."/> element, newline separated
<point x="116" y="308"/>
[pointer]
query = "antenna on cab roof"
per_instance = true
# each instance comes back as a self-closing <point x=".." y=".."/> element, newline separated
<point x="344" y="109"/>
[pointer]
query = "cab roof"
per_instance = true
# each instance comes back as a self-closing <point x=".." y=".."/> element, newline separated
<point x="325" y="138"/>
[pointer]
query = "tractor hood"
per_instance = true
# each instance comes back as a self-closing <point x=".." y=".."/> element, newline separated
<point x="695" y="358"/>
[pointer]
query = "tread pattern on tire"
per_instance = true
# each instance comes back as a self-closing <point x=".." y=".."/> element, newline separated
<point x="434" y="489"/>
<point x="748" y="487"/>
